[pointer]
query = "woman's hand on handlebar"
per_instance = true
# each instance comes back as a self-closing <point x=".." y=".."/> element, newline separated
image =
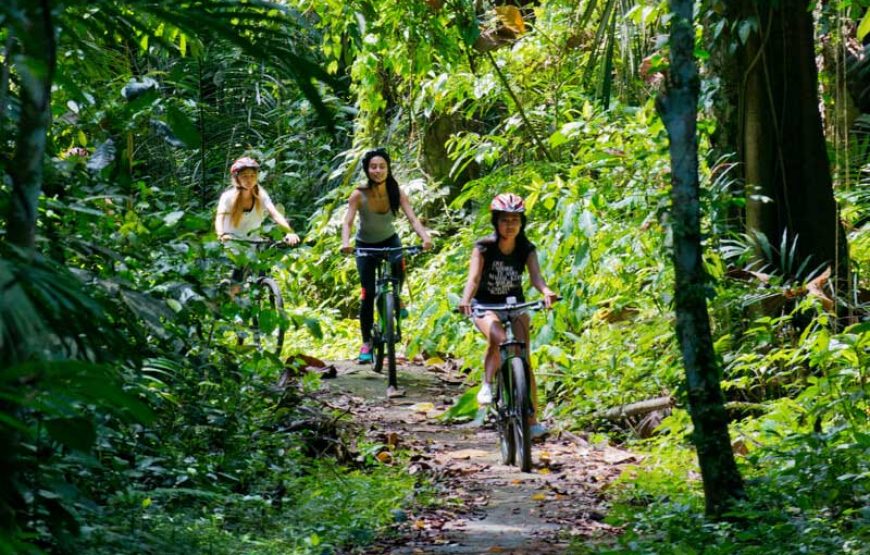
<point x="427" y="244"/>
<point x="291" y="239"/>
<point x="550" y="297"/>
<point x="346" y="249"/>
<point x="464" y="307"/>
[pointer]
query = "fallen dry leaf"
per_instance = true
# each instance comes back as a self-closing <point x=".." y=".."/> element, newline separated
<point x="422" y="407"/>
<point x="464" y="454"/>
<point x="392" y="439"/>
<point x="617" y="456"/>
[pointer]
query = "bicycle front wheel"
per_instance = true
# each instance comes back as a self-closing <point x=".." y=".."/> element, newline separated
<point x="390" y="337"/>
<point x="521" y="412"/>
<point x="504" y="422"/>
<point x="271" y="322"/>
<point x="378" y="338"/>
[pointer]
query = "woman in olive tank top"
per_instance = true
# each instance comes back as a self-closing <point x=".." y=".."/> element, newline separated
<point x="377" y="204"/>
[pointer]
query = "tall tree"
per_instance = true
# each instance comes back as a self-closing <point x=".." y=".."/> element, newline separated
<point x="782" y="140"/>
<point x="678" y="106"/>
<point x="33" y="25"/>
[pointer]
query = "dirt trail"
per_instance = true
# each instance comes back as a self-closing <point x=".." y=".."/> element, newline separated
<point x="487" y="507"/>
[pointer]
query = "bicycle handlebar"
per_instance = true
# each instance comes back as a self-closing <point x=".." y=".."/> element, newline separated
<point x="382" y="251"/>
<point x="478" y="309"/>
<point x="270" y="243"/>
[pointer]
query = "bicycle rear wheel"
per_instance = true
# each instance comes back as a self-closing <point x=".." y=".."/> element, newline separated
<point x="521" y="412"/>
<point x="504" y="423"/>
<point x="271" y="329"/>
<point x="390" y="336"/>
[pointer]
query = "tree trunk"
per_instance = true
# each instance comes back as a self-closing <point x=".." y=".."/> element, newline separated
<point x="678" y="108"/>
<point x="35" y="65"/>
<point x="783" y="140"/>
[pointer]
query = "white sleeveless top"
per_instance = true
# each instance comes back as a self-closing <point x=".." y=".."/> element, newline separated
<point x="250" y="221"/>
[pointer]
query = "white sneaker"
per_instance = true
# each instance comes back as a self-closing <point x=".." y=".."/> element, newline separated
<point x="538" y="430"/>
<point x="484" y="395"/>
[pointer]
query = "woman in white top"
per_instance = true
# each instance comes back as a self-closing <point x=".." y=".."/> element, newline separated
<point x="243" y="207"/>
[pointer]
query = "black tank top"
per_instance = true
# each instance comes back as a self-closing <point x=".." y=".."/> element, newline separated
<point x="502" y="273"/>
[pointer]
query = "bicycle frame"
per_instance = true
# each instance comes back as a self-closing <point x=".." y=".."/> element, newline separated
<point x="513" y="381"/>
<point x="387" y="329"/>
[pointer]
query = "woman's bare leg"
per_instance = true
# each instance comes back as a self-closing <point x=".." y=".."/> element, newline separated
<point x="492" y="329"/>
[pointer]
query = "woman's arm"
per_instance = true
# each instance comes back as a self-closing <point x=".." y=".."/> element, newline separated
<point x="475" y="272"/>
<point x="221" y="219"/>
<point x="405" y="203"/>
<point x="347" y="225"/>
<point x="538" y="280"/>
<point x="282" y="222"/>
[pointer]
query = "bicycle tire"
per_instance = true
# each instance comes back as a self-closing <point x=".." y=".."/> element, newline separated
<point x="276" y="302"/>
<point x="390" y="337"/>
<point x="504" y="423"/>
<point x="521" y="412"/>
<point x="378" y="338"/>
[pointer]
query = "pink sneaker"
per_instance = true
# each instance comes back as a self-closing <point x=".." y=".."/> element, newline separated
<point x="365" y="354"/>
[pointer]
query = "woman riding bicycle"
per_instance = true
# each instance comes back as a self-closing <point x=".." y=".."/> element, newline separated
<point x="496" y="273"/>
<point x="377" y="203"/>
<point x="243" y="207"/>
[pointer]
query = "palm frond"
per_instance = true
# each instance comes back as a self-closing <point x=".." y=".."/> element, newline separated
<point x="46" y="313"/>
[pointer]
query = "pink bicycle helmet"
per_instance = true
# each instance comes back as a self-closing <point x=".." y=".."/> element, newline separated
<point x="508" y="202"/>
<point x="242" y="163"/>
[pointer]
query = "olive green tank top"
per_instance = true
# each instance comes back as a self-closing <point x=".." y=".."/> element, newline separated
<point x="374" y="227"/>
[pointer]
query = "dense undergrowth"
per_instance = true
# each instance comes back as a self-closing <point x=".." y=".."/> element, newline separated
<point x="142" y="427"/>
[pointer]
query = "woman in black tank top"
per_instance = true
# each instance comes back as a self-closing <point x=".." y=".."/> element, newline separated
<point x="496" y="273"/>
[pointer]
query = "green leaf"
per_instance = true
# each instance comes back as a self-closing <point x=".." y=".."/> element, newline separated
<point x="313" y="326"/>
<point x="864" y="27"/>
<point x="465" y="408"/>
<point x="182" y="127"/>
<point x="470" y="32"/>
<point x="172" y="218"/>
<point x="77" y="433"/>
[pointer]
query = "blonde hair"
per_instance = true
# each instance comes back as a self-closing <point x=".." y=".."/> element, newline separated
<point x="236" y="208"/>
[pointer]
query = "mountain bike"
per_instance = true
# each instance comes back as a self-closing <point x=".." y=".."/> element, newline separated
<point x="260" y="302"/>
<point x="387" y="325"/>
<point x="512" y="400"/>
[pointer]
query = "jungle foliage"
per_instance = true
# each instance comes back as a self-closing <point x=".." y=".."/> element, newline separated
<point x="136" y="423"/>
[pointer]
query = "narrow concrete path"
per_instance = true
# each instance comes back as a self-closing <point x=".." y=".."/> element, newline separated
<point x="483" y="506"/>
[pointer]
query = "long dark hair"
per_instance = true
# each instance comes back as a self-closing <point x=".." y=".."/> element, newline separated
<point x="392" y="184"/>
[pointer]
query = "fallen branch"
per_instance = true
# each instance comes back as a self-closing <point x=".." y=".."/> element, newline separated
<point x="634" y="409"/>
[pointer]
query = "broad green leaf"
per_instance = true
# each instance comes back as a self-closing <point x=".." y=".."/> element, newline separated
<point x="182" y="127"/>
<point x="465" y="408"/>
<point x="172" y="218"/>
<point x="77" y="433"/>
<point x="864" y="26"/>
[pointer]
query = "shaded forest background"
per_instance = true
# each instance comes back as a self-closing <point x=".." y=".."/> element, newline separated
<point x="133" y="422"/>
